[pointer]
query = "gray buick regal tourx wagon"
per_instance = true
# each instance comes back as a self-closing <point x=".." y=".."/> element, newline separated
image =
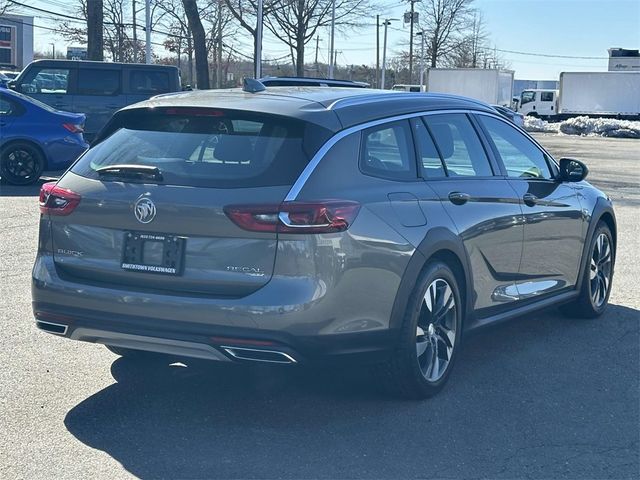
<point x="301" y="225"/>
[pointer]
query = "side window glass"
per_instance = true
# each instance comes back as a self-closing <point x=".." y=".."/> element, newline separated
<point x="46" y="80"/>
<point x="147" y="82"/>
<point x="387" y="152"/>
<point x="520" y="156"/>
<point x="5" y="107"/>
<point x="546" y="96"/>
<point x="428" y="156"/>
<point x="459" y="145"/>
<point x="94" y="81"/>
<point x="528" y="97"/>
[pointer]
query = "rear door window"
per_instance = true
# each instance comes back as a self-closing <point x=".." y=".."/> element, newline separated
<point x="428" y="157"/>
<point x="387" y="152"/>
<point x="98" y="81"/>
<point x="148" y="82"/>
<point x="459" y="145"/>
<point x="208" y="148"/>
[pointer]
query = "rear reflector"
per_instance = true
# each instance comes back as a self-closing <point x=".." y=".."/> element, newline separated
<point x="55" y="200"/>
<point x="73" y="128"/>
<point x="295" y="217"/>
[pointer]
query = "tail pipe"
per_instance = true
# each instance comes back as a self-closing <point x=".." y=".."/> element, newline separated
<point x="258" y="354"/>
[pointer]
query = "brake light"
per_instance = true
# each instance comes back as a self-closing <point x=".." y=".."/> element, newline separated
<point x="55" y="200"/>
<point x="295" y="217"/>
<point x="194" y="111"/>
<point x="73" y="128"/>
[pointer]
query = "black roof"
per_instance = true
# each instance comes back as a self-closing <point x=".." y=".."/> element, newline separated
<point x="310" y="82"/>
<point x="334" y="108"/>
<point x="58" y="63"/>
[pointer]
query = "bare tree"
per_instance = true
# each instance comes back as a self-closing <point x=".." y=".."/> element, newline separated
<point x="296" y="22"/>
<point x="444" y="22"/>
<point x="199" y="43"/>
<point x="245" y="13"/>
<point x="5" y="6"/>
<point x="471" y="50"/>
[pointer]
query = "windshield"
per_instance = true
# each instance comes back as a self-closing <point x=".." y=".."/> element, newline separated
<point x="528" y="97"/>
<point x="208" y="148"/>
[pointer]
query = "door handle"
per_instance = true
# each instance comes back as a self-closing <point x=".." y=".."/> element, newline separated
<point x="459" y="198"/>
<point x="530" y="199"/>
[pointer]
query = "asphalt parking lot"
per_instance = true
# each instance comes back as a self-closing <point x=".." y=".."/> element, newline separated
<point x="539" y="397"/>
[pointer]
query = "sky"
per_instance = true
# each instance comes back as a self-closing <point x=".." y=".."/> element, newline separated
<point x="571" y="28"/>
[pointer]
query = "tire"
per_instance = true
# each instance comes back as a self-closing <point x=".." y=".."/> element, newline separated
<point x="412" y="374"/>
<point x="597" y="277"/>
<point x="21" y="163"/>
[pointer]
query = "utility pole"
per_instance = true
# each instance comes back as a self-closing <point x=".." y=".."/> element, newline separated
<point x="387" y="22"/>
<point x="377" y="50"/>
<point x="333" y="32"/>
<point x="219" y="48"/>
<point x="147" y="27"/>
<point x="316" y="62"/>
<point x="53" y="52"/>
<point x="95" y="39"/>
<point x="258" y="57"/>
<point x="135" y="33"/>
<point x="411" y="40"/>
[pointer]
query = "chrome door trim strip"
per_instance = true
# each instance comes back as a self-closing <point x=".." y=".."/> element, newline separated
<point x="312" y="165"/>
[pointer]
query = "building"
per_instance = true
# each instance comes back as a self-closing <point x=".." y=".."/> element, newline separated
<point x="16" y="41"/>
<point x="624" y="59"/>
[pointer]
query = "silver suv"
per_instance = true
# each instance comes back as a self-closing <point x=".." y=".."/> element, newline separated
<point x="301" y="225"/>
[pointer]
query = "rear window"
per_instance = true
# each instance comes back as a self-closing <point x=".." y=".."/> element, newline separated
<point x="208" y="148"/>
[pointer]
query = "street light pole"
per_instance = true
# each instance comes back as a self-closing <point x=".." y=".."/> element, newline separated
<point x="53" y="53"/>
<point x="422" y="35"/>
<point x="333" y="32"/>
<point x="411" y="40"/>
<point x="387" y="22"/>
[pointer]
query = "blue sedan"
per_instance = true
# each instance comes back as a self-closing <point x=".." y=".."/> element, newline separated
<point x="35" y="137"/>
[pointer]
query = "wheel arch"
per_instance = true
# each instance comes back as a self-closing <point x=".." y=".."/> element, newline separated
<point x="602" y="211"/>
<point x="439" y="244"/>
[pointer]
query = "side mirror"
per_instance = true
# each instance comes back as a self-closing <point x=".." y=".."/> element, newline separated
<point x="12" y="85"/>
<point x="572" y="170"/>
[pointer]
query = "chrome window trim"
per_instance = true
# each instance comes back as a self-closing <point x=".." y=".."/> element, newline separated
<point x="313" y="164"/>
<point x="395" y="95"/>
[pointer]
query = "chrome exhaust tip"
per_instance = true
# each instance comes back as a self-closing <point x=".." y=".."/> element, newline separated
<point x="258" y="354"/>
<point x="50" y="327"/>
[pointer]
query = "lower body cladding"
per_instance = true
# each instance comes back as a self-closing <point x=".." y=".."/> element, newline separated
<point x="229" y="346"/>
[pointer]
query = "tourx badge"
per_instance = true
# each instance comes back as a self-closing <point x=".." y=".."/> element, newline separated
<point x="144" y="210"/>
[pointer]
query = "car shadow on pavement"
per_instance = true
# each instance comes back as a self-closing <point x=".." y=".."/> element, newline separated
<point x="541" y="396"/>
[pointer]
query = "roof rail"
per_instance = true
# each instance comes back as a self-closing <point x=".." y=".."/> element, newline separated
<point x="391" y="95"/>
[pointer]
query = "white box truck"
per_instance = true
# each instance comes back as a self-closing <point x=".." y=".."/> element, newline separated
<point x="595" y="94"/>
<point x="487" y="85"/>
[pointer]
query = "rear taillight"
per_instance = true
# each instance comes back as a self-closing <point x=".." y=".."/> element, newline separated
<point x="55" y="200"/>
<point x="295" y="217"/>
<point x="73" y="128"/>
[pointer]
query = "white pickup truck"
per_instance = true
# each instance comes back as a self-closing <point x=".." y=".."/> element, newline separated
<point x="597" y="94"/>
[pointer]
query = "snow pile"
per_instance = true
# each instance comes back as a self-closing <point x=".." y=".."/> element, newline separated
<point x="533" y="124"/>
<point x="604" y="127"/>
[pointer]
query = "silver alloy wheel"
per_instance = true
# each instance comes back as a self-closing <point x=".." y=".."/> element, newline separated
<point x="436" y="330"/>
<point x="600" y="270"/>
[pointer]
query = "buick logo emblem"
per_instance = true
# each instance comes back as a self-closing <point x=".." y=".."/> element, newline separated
<point x="144" y="210"/>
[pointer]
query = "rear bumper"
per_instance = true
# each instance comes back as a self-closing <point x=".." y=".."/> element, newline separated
<point x="308" y="331"/>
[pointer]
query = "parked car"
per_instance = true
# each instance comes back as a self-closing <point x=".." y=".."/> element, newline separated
<point x="4" y="81"/>
<point x="96" y="89"/>
<point x="515" y="117"/>
<point x="310" y="82"/>
<point x="401" y="87"/>
<point x="315" y="225"/>
<point x="34" y="137"/>
<point x="10" y="74"/>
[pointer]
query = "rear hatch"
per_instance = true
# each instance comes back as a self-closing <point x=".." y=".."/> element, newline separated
<point x="151" y="198"/>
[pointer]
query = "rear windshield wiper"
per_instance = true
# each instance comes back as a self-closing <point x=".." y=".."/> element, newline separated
<point x="132" y="172"/>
